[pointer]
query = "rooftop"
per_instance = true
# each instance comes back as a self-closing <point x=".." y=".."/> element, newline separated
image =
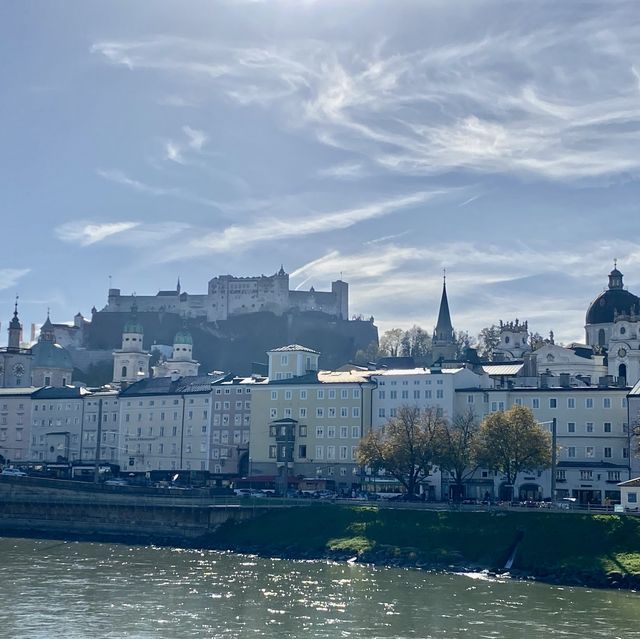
<point x="293" y="348"/>
<point x="167" y="386"/>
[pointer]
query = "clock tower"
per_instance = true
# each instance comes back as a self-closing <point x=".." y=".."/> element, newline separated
<point x="15" y="362"/>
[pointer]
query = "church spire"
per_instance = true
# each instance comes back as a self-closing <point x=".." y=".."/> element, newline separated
<point x="15" y="328"/>
<point x="444" y="328"/>
<point x="444" y="344"/>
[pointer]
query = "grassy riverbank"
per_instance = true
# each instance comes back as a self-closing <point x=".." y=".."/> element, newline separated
<point x="568" y="548"/>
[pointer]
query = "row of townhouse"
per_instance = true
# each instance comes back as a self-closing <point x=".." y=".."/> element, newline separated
<point x="303" y="422"/>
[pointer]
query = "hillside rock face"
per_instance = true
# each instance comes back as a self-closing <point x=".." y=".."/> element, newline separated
<point x="233" y="345"/>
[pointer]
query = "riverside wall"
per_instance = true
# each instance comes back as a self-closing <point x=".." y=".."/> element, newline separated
<point x="71" y="509"/>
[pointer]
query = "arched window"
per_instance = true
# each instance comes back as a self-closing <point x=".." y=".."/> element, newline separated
<point x="622" y="371"/>
<point x="601" y="337"/>
<point x="123" y="372"/>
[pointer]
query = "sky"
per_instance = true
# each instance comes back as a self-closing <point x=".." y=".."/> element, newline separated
<point x="384" y="141"/>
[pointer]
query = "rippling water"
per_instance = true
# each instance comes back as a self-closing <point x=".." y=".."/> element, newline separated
<point x="78" y="590"/>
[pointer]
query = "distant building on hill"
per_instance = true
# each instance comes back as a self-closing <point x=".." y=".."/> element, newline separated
<point x="228" y="296"/>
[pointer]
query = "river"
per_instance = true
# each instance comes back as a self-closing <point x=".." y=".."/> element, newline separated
<point x="74" y="590"/>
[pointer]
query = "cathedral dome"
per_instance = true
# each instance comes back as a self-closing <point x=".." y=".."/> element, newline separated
<point x="602" y="310"/>
<point x="183" y="337"/>
<point x="50" y="355"/>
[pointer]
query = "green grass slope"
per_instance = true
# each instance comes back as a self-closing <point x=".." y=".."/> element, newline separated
<point x="562" y="544"/>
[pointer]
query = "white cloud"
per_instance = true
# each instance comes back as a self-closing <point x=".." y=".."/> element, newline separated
<point x="196" y="137"/>
<point x="401" y="285"/>
<point x="87" y="233"/>
<point x="9" y="276"/>
<point x="237" y="237"/>
<point x="556" y="98"/>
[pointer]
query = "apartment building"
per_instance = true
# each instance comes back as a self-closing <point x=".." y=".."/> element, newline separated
<point x="231" y="425"/>
<point x="15" y="427"/>
<point x="101" y="421"/>
<point x="421" y="387"/>
<point x="165" y="424"/>
<point x="592" y="431"/>
<point x="308" y="425"/>
<point x="57" y="419"/>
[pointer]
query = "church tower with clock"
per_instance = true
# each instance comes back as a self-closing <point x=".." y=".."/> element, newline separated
<point x="15" y="362"/>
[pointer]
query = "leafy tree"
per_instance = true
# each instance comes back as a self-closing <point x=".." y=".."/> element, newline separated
<point x="511" y="442"/>
<point x="416" y="342"/>
<point x="405" y="447"/>
<point x="457" y="448"/>
<point x="366" y="355"/>
<point x="391" y="342"/>
<point x="488" y="341"/>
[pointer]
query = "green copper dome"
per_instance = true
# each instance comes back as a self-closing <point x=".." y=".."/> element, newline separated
<point x="133" y="326"/>
<point x="183" y="337"/>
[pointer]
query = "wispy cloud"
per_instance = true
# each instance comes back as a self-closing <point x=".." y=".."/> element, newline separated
<point x="556" y="99"/>
<point x="237" y="237"/>
<point x="85" y="234"/>
<point x="9" y="276"/>
<point x="114" y="175"/>
<point x="486" y="283"/>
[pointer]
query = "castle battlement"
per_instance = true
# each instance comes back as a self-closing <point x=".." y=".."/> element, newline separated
<point x="228" y="295"/>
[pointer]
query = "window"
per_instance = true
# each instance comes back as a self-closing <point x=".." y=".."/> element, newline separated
<point x="440" y="394"/>
<point x="381" y="412"/>
<point x="331" y="412"/>
<point x="356" y="393"/>
<point x="588" y="403"/>
<point x="332" y="393"/>
<point x="553" y="402"/>
<point x="588" y="427"/>
<point x="606" y="402"/>
<point x="589" y="452"/>
<point x="344" y="452"/>
<point x="287" y="395"/>
<point x="427" y="394"/>
<point x="319" y="412"/>
<point x="586" y="475"/>
<point x="319" y="432"/>
<point x="535" y="402"/>
<point x="416" y="394"/>
<point x="344" y="411"/>
<point x="571" y="402"/>
<point x="344" y="394"/>
<point x="344" y="432"/>
<point x="273" y="413"/>
<point x="607" y="452"/>
<point x="303" y="412"/>
<point x="393" y="394"/>
<point x="331" y="452"/>
<point x="284" y="360"/>
<point x="561" y="475"/>
<point x="319" y="452"/>
<point x="355" y="411"/>
<point x="331" y="432"/>
<point x="632" y="498"/>
<point x="274" y="395"/>
<point x="302" y="451"/>
<point x="607" y="427"/>
<point x="320" y="394"/>
<point x="303" y="394"/>
<point x="571" y="452"/>
<point x="613" y="475"/>
<point x="571" y="427"/>
<point x="272" y="451"/>
<point x="404" y="394"/>
<point x="381" y="394"/>
<point x="303" y="430"/>
<point x="470" y="399"/>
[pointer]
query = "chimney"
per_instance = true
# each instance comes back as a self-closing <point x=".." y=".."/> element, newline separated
<point x="586" y="379"/>
<point x="544" y="380"/>
<point x="565" y="380"/>
<point x="603" y="382"/>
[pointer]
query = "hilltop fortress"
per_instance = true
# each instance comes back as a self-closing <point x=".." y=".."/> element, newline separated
<point x="229" y="296"/>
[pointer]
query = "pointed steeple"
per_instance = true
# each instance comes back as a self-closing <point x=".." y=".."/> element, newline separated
<point x="178" y="286"/>
<point x="46" y="332"/>
<point x="15" y="328"/>
<point x="444" y="328"/>
<point x="444" y="343"/>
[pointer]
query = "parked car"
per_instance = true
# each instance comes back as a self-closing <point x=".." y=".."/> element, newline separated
<point x="13" y="472"/>
<point x="242" y="492"/>
<point x="116" y="481"/>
